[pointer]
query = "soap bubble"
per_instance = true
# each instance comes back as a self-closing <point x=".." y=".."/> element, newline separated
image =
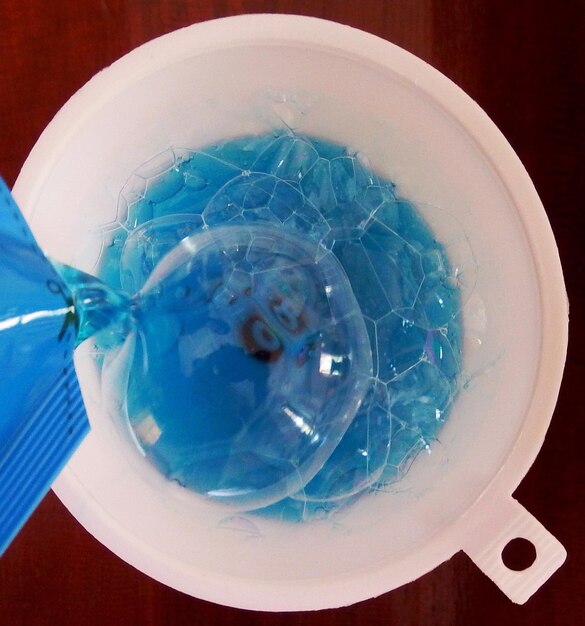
<point x="260" y="337"/>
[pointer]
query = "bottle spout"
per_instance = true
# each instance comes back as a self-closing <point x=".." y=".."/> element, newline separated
<point x="96" y="306"/>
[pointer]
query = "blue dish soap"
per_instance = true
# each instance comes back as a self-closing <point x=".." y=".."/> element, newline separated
<point x="297" y="337"/>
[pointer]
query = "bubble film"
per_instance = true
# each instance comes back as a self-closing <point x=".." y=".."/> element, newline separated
<point x="308" y="300"/>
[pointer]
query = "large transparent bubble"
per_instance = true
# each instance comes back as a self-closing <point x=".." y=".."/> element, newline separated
<point x="259" y="335"/>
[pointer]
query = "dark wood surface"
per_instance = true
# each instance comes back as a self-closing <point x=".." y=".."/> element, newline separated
<point x="523" y="61"/>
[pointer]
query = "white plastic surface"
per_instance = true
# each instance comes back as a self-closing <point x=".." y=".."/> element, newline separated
<point x="491" y="535"/>
<point x="249" y="74"/>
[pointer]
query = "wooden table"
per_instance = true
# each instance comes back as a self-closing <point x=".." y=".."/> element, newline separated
<point x="523" y="61"/>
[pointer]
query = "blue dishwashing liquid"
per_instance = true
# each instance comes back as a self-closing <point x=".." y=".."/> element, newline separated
<point x="295" y="337"/>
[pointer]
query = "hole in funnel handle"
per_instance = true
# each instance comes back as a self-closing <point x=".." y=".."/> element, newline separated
<point x="519" y="554"/>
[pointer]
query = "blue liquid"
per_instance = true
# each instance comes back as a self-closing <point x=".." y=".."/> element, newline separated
<point x="304" y="345"/>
